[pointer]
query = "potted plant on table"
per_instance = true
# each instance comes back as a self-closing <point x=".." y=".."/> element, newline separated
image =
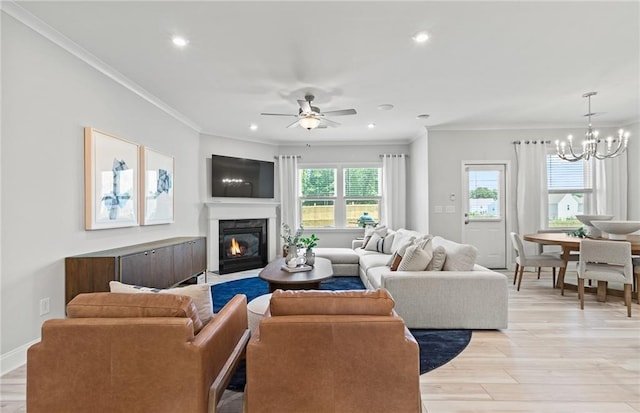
<point x="310" y="243"/>
<point x="291" y="241"/>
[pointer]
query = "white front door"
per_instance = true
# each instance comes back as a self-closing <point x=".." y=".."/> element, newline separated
<point x="485" y="212"/>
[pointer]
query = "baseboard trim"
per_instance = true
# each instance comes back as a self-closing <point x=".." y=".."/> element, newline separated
<point x="15" y="358"/>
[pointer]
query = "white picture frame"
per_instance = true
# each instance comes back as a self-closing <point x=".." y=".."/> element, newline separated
<point x="111" y="181"/>
<point x="157" y="183"/>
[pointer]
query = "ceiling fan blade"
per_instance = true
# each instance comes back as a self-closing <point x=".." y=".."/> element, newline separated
<point x="293" y="125"/>
<point x="342" y="112"/>
<point x="278" y="114"/>
<point x="327" y="122"/>
<point x="304" y="106"/>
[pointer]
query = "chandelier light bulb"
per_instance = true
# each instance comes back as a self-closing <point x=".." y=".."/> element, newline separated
<point x="610" y="148"/>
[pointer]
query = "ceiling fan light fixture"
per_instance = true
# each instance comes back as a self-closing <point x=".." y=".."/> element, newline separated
<point x="309" y="122"/>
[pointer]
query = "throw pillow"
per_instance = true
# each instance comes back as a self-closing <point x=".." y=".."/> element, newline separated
<point x="381" y="231"/>
<point x="199" y="293"/>
<point x="380" y="244"/>
<point x="460" y="257"/>
<point x="416" y="258"/>
<point x="437" y="262"/>
<point x="396" y="258"/>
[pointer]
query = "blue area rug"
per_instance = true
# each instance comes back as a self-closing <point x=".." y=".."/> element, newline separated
<point x="437" y="347"/>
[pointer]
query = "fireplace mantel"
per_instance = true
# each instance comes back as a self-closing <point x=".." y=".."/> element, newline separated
<point x="239" y="210"/>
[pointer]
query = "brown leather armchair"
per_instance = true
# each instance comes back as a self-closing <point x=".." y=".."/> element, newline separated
<point x="126" y="353"/>
<point x="332" y="351"/>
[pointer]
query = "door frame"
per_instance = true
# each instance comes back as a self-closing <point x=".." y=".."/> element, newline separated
<point x="507" y="199"/>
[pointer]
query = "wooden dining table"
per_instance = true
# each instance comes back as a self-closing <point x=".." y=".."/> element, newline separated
<point x="570" y="243"/>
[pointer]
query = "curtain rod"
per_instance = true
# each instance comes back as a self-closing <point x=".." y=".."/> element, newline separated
<point x="289" y="156"/>
<point x="394" y="155"/>
<point x="528" y="142"/>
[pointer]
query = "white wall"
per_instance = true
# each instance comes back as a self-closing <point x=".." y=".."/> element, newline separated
<point x="49" y="96"/>
<point x="418" y="185"/>
<point x="633" y="165"/>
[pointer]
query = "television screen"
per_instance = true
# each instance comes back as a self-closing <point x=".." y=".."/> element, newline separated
<point x="241" y="178"/>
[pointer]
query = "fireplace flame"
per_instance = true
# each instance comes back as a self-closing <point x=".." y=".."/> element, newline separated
<point x="235" y="247"/>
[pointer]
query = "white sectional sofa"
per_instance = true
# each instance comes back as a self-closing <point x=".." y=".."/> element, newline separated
<point x="461" y="295"/>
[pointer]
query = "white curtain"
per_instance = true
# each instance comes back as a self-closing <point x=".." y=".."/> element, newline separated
<point x="610" y="187"/>
<point x="531" y="188"/>
<point x="394" y="190"/>
<point x="288" y="179"/>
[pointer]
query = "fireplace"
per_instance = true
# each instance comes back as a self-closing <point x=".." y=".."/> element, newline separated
<point x="242" y="244"/>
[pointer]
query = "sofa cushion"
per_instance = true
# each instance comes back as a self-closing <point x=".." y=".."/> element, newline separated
<point x="200" y="293"/>
<point x="337" y="255"/>
<point x="373" y="260"/>
<point x="438" y="259"/>
<point x="309" y="302"/>
<point x="417" y="256"/>
<point x="380" y="244"/>
<point x="403" y="236"/>
<point x="460" y="257"/>
<point x="124" y="305"/>
<point x="374" y="275"/>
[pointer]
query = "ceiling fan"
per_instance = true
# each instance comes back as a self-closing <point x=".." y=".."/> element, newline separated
<point x="310" y="117"/>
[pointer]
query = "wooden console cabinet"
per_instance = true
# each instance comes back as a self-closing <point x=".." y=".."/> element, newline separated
<point x="158" y="264"/>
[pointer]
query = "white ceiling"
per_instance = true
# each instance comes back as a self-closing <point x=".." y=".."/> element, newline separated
<point x="486" y="65"/>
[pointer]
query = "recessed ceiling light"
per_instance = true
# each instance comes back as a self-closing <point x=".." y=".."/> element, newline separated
<point x="371" y="125"/>
<point x="385" y="106"/>
<point x="179" y="41"/>
<point x="421" y="37"/>
<point x="253" y="126"/>
<point x="423" y="116"/>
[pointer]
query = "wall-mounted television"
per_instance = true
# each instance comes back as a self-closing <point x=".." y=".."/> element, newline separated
<point x="241" y="178"/>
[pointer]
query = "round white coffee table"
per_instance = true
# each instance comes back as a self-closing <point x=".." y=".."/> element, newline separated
<point x="256" y="309"/>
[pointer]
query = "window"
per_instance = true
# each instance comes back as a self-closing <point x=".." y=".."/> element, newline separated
<point x="570" y="190"/>
<point x="361" y="194"/>
<point x="335" y="197"/>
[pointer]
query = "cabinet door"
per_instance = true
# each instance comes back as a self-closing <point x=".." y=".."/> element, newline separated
<point x="199" y="256"/>
<point x="161" y="275"/>
<point x="152" y="268"/>
<point x="135" y="268"/>
<point x="182" y="261"/>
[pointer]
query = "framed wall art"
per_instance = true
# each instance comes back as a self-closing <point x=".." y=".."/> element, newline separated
<point x="157" y="187"/>
<point x="111" y="181"/>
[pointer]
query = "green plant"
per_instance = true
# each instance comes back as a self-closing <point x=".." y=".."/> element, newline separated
<point x="310" y="242"/>
<point x="578" y="233"/>
<point x="289" y="237"/>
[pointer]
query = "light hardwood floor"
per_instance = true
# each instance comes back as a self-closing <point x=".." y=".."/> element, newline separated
<point x="553" y="358"/>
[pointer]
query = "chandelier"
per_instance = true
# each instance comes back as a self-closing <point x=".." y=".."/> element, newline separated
<point x="592" y="146"/>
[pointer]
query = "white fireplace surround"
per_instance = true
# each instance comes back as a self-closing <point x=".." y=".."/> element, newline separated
<point x="239" y="210"/>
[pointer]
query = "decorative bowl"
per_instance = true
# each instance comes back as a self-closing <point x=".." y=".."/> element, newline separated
<point x="617" y="229"/>
<point x="588" y="219"/>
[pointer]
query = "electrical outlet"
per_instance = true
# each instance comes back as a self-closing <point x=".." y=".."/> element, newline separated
<point x="45" y="306"/>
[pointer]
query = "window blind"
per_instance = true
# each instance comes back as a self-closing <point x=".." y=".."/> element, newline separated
<point x="563" y="175"/>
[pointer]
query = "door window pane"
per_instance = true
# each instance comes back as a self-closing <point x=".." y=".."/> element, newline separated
<point x="484" y="197"/>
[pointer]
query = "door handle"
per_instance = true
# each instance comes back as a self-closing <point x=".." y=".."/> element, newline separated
<point x="466" y="218"/>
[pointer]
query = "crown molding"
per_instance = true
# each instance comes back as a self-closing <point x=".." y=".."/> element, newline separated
<point x="48" y="32"/>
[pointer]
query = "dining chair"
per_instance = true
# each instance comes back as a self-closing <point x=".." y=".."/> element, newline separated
<point x="556" y="251"/>
<point x="606" y="261"/>
<point x="523" y="260"/>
